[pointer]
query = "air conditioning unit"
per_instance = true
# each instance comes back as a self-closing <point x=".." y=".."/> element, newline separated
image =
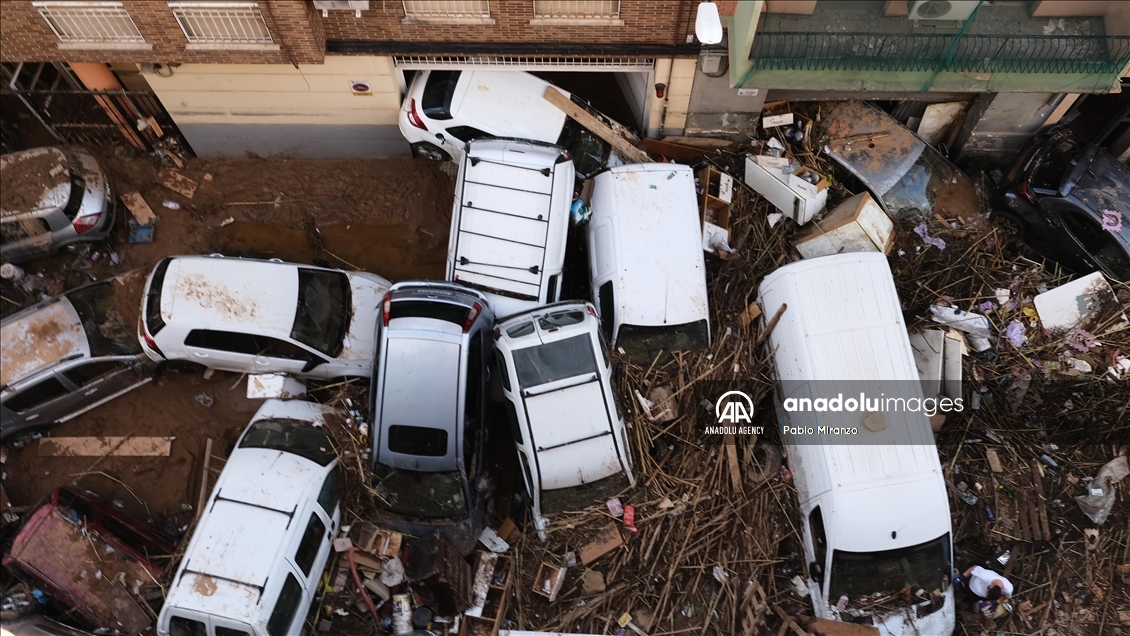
<point x="357" y="6"/>
<point x="942" y="10"/>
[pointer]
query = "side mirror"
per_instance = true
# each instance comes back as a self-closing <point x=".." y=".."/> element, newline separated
<point x="816" y="571"/>
<point x="312" y="364"/>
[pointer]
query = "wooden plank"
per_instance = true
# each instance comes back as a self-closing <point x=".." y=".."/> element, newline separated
<point x="100" y="446"/>
<point x="137" y="206"/>
<point x="177" y="182"/>
<point x="732" y="464"/>
<point x="1041" y="505"/>
<point x="709" y="143"/>
<point x="1022" y="515"/>
<point x="822" y="627"/>
<point x="202" y="498"/>
<point x="597" y="127"/>
<point x="994" y="461"/>
<point x="672" y="151"/>
<point x="608" y="540"/>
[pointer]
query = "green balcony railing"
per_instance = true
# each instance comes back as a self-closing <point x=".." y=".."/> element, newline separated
<point x="1084" y="54"/>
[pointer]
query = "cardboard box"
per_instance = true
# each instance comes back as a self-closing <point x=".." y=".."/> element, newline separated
<point x="856" y="225"/>
<point x="776" y="114"/>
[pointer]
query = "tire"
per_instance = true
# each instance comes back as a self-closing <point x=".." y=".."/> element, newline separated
<point x="17" y="604"/>
<point x="184" y="366"/>
<point x="1009" y="222"/>
<point x="21" y="439"/>
<point x="431" y="152"/>
<point x="765" y="463"/>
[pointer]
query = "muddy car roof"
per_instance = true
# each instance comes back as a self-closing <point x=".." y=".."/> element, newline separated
<point x="226" y="293"/>
<point x="40" y="336"/>
<point x="41" y="174"/>
<point x="511" y="102"/>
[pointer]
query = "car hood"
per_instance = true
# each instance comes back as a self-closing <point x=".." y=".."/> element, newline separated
<point x="35" y="339"/>
<point x="573" y="436"/>
<point x="45" y="177"/>
<point x="511" y="103"/>
<point x="883" y="152"/>
<point x="367" y="292"/>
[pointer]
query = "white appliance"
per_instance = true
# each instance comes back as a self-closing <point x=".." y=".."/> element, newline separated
<point x="797" y="199"/>
<point x="942" y="10"/>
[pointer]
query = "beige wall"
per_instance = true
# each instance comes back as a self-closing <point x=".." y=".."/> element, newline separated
<point x="806" y="7"/>
<point x="678" y="75"/>
<point x="317" y="94"/>
<point x="1066" y="8"/>
<point x="896" y="7"/>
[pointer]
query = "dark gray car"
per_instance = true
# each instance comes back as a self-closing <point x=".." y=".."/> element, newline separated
<point x="64" y="356"/>
<point x="429" y="410"/>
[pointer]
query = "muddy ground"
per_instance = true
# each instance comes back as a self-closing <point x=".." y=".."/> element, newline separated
<point x="390" y="217"/>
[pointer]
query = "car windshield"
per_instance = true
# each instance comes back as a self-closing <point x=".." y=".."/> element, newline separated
<point x="588" y="150"/>
<point x="553" y="361"/>
<point x="322" y="319"/>
<point x="921" y="186"/>
<point x="923" y="566"/>
<point x="108" y="332"/>
<point x="291" y="436"/>
<point x="643" y="344"/>
<point x="578" y="497"/>
<point x="413" y="493"/>
<point x="1054" y="162"/>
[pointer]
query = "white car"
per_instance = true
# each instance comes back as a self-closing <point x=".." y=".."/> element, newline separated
<point x="557" y="382"/>
<point x="509" y="222"/>
<point x="256" y="316"/>
<point x="444" y="110"/>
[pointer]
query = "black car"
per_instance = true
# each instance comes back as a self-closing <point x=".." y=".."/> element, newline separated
<point x="1063" y="197"/>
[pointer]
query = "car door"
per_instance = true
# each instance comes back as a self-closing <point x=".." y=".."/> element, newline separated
<point x="282" y="356"/>
<point x="1086" y="235"/>
<point x="98" y="380"/>
<point x="41" y="401"/>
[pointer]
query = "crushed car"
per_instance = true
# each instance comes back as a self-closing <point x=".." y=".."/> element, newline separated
<point x="908" y="177"/>
<point x="1069" y="201"/>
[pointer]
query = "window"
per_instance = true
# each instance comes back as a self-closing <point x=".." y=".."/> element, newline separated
<point x="290" y="599"/>
<point x="90" y="22"/>
<point x="321" y="319"/>
<point x="439" y="310"/>
<point x="419" y="494"/>
<point x="327" y="496"/>
<point x="468" y="133"/>
<point x="643" y="343"/>
<point x="153" y="321"/>
<point x="107" y="331"/>
<point x="551" y="290"/>
<point x="87" y="373"/>
<point x="512" y="419"/>
<point x="222" y="22"/>
<point x="272" y="348"/>
<point x="503" y="371"/>
<point x="819" y="542"/>
<point x="926" y="565"/>
<point x="180" y="626"/>
<point x="607" y="308"/>
<point x="577" y="9"/>
<point x="222" y="341"/>
<point x="36" y="395"/>
<point x="228" y="631"/>
<point x="438" y="91"/>
<point x="1099" y="243"/>
<point x="448" y="11"/>
<point x="311" y="541"/>
<point x="422" y="441"/>
<point x="291" y="436"/>
<point x="560" y="360"/>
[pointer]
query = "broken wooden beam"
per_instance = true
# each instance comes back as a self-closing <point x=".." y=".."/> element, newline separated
<point x="102" y="446"/>
<point x="594" y="125"/>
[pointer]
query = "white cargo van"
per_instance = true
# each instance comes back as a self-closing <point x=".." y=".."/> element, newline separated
<point x="263" y="539"/>
<point x="646" y="260"/>
<point x="876" y="521"/>
<point x="509" y="222"/>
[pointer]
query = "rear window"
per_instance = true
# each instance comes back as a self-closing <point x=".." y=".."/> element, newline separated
<point x="291" y="436"/>
<point x="448" y="312"/>
<point x="106" y="329"/>
<point x="423" y="441"/>
<point x="153" y="321"/>
<point x="1103" y="185"/>
<point x="585" y="495"/>
<point x="436" y="100"/>
<point x="559" y="360"/>
<point x="643" y="344"/>
<point x="1054" y="162"/>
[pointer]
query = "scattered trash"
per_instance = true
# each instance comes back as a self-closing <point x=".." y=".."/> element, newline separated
<point x="592" y="582"/>
<point x="1112" y="220"/>
<point x="800" y="587"/>
<point x="630" y="519"/>
<point x="172" y="205"/>
<point x="965" y="495"/>
<point x="548" y="580"/>
<point x="1100" y="498"/>
<point x="975" y="326"/>
<point x="228" y="221"/>
<point x="774" y="218"/>
<point x="402" y="614"/>
<point x="606" y="541"/>
<point x="921" y="230"/>
<point x="1016" y="334"/>
<point x="205" y="399"/>
<point x="720" y="574"/>
<point x="392" y="573"/>
<point x="492" y="541"/>
<point x="615" y="508"/>
<point x="579" y="212"/>
<point x="1074" y="304"/>
<point x="1080" y="340"/>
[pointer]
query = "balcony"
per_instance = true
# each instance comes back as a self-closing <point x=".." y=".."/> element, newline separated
<point x="853" y="46"/>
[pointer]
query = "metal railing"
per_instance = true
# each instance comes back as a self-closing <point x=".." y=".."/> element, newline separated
<point x="1103" y="55"/>
<point x="222" y="22"/>
<point x="94" y="22"/>
<point x="447" y="9"/>
<point x="577" y="9"/>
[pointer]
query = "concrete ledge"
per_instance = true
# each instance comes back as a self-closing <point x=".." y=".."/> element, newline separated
<point x="229" y="46"/>
<point x="576" y="22"/>
<point x="441" y="20"/>
<point x="105" y="46"/>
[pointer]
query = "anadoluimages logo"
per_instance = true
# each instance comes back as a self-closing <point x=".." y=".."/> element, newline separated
<point x="734" y="408"/>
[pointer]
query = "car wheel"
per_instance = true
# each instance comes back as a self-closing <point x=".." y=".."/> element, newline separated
<point x="184" y="366"/>
<point x="430" y="152"/>
<point x="1009" y="222"/>
<point x="17" y="604"/>
<point x="22" y="439"/>
<point x="764" y="463"/>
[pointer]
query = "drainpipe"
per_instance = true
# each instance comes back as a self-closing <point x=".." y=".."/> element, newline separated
<point x="663" y="78"/>
<point x="98" y="77"/>
<point x="945" y="63"/>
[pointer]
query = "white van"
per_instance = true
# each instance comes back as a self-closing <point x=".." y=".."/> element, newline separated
<point x="646" y="260"/>
<point x="263" y="539"/>
<point x="556" y="379"/>
<point x="876" y="520"/>
<point x="509" y="222"/>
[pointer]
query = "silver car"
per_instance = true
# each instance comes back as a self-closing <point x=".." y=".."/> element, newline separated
<point x="52" y="197"/>
<point x="64" y="356"/>
<point x="429" y="410"/>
